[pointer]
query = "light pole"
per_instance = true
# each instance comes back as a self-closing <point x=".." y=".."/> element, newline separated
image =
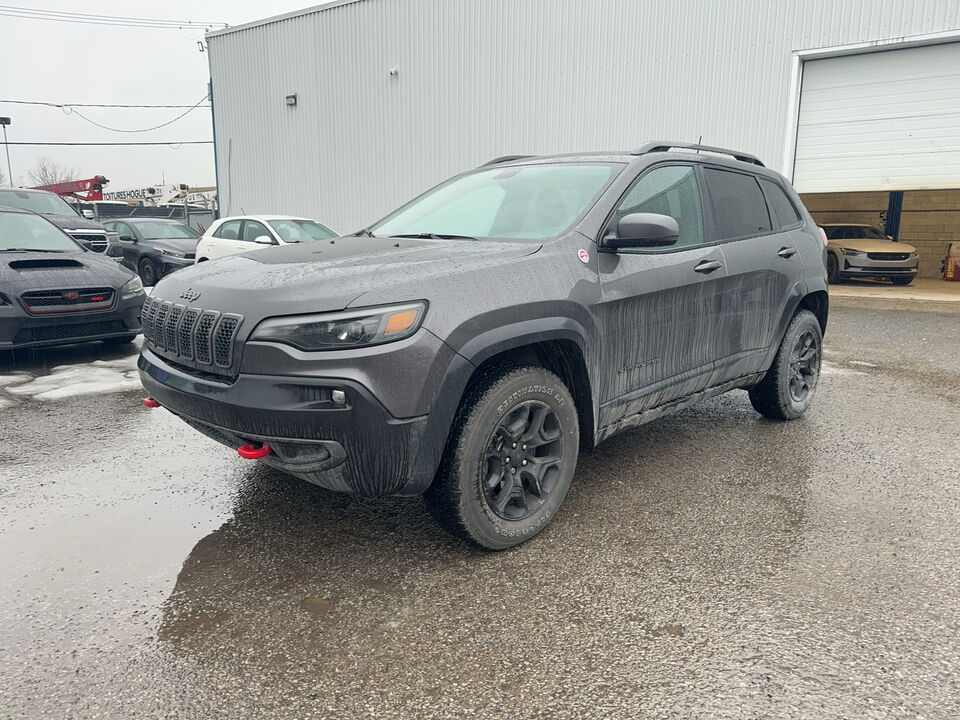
<point x="6" y="121"/>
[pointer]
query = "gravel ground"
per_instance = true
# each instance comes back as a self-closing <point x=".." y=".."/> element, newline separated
<point x="711" y="564"/>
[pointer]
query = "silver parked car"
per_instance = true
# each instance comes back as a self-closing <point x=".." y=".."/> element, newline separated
<point x="863" y="251"/>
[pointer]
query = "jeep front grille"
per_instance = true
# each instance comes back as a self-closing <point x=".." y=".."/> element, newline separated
<point x="193" y="337"/>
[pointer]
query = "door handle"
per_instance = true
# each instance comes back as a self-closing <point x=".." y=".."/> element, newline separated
<point x="787" y="252"/>
<point x="708" y="266"/>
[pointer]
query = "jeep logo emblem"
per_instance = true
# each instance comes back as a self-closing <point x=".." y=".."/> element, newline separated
<point x="190" y="294"/>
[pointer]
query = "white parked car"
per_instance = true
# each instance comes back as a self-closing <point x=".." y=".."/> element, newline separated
<point x="232" y="235"/>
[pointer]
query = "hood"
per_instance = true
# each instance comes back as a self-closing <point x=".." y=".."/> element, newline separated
<point x="870" y="245"/>
<point x="22" y="271"/>
<point x="74" y="222"/>
<point x="184" y="245"/>
<point x="328" y="275"/>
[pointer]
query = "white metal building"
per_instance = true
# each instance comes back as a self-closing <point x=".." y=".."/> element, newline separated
<point x="345" y="110"/>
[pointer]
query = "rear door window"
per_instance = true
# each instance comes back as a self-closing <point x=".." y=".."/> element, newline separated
<point x="739" y="207"/>
<point x="229" y="230"/>
<point x="783" y="210"/>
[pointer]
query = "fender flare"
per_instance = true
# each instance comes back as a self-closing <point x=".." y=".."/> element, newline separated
<point x="469" y="357"/>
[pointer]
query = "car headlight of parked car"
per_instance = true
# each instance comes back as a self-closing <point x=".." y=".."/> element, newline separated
<point x="344" y="330"/>
<point x="852" y="253"/>
<point x="171" y="253"/>
<point x="131" y="288"/>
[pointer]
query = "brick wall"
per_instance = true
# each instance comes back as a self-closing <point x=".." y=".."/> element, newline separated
<point x="930" y="219"/>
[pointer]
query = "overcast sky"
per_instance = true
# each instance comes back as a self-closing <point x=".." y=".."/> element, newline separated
<point x="78" y="63"/>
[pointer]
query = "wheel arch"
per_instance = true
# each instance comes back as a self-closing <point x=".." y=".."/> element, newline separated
<point x="556" y="344"/>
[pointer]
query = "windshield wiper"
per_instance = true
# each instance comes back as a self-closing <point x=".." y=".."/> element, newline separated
<point x="364" y="233"/>
<point x="30" y="250"/>
<point x="434" y="236"/>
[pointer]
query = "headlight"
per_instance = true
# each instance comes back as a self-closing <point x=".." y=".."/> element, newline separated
<point x="113" y="238"/>
<point x="344" y="330"/>
<point x="131" y="288"/>
<point x="171" y="253"/>
<point x="851" y="253"/>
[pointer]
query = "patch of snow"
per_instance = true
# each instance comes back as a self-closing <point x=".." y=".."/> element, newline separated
<point x="100" y="376"/>
<point x="829" y="368"/>
<point x="12" y="379"/>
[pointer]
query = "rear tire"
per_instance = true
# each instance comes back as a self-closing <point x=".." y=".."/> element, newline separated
<point x="787" y="389"/>
<point x="901" y="280"/>
<point x="510" y="458"/>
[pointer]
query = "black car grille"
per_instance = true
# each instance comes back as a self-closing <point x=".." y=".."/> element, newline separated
<point x="888" y="256"/>
<point x="69" y="332"/>
<point x="95" y="241"/>
<point x="195" y="338"/>
<point x="44" y="302"/>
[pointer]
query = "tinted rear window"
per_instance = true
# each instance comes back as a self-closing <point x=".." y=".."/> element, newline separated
<point x="784" y="210"/>
<point x="738" y="204"/>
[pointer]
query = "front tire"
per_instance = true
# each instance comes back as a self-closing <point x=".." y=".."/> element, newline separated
<point x="148" y="272"/>
<point x="901" y="280"/>
<point x="510" y="458"/>
<point x="787" y="389"/>
<point x="833" y="268"/>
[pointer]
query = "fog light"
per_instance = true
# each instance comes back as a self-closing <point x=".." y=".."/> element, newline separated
<point x="339" y="397"/>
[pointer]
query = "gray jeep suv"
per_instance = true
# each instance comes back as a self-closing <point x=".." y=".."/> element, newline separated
<point x="469" y="345"/>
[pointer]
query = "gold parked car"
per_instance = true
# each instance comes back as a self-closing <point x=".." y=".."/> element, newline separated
<point x="863" y="251"/>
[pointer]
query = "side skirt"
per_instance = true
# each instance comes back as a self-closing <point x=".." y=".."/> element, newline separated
<point x="642" y="418"/>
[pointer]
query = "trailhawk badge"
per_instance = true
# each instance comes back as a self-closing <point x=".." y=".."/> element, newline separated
<point x="583" y="255"/>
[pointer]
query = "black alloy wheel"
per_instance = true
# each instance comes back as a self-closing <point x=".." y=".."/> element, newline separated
<point x="804" y="366"/>
<point x="148" y="272"/>
<point x="522" y="461"/>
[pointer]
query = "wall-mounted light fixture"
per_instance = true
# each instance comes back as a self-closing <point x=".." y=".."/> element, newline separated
<point x="291" y="100"/>
<point x="394" y="72"/>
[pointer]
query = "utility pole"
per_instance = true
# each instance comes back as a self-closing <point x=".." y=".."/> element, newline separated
<point x="6" y="121"/>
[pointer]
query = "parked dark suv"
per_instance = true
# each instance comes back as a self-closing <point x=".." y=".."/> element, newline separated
<point x="470" y="344"/>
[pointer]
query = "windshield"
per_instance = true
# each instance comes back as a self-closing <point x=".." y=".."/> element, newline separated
<point x="165" y="231"/>
<point x="293" y="231"/>
<point x="869" y="233"/>
<point x="19" y="231"/>
<point x="40" y="202"/>
<point x="528" y="201"/>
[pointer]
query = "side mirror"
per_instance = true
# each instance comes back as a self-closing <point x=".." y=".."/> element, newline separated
<point x="264" y="240"/>
<point x="88" y="213"/>
<point x="644" y="230"/>
<point x="128" y="238"/>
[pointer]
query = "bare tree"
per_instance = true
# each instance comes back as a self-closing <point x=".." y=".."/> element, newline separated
<point x="48" y="172"/>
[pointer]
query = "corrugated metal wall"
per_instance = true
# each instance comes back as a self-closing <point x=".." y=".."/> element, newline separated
<point x="481" y="78"/>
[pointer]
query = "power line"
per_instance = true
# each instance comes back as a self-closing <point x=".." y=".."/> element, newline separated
<point x="111" y="20"/>
<point x="94" y="144"/>
<point x="74" y="111"/>
<point x="95" y="105"/>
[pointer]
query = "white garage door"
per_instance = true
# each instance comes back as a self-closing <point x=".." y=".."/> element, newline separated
<point x="880" y="121"/>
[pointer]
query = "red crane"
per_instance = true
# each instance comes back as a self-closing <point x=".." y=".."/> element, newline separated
<point x="88" y="190"/>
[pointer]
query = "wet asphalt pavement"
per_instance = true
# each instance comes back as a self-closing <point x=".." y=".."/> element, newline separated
<point x="711" y="564"/>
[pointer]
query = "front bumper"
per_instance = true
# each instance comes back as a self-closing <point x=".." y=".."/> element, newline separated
<point x="19" y="329"/>
<point x="167" y="264"/>
<point x="862" y="266"/>
<point x="359" y="448"/>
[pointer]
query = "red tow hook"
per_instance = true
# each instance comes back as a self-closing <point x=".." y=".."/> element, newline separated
<point x="150" y="403"/>
<point x="249" y="452"/>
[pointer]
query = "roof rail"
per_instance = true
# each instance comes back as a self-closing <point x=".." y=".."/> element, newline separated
<point x="506" y="158"/>
<point x="666" y="145"/>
